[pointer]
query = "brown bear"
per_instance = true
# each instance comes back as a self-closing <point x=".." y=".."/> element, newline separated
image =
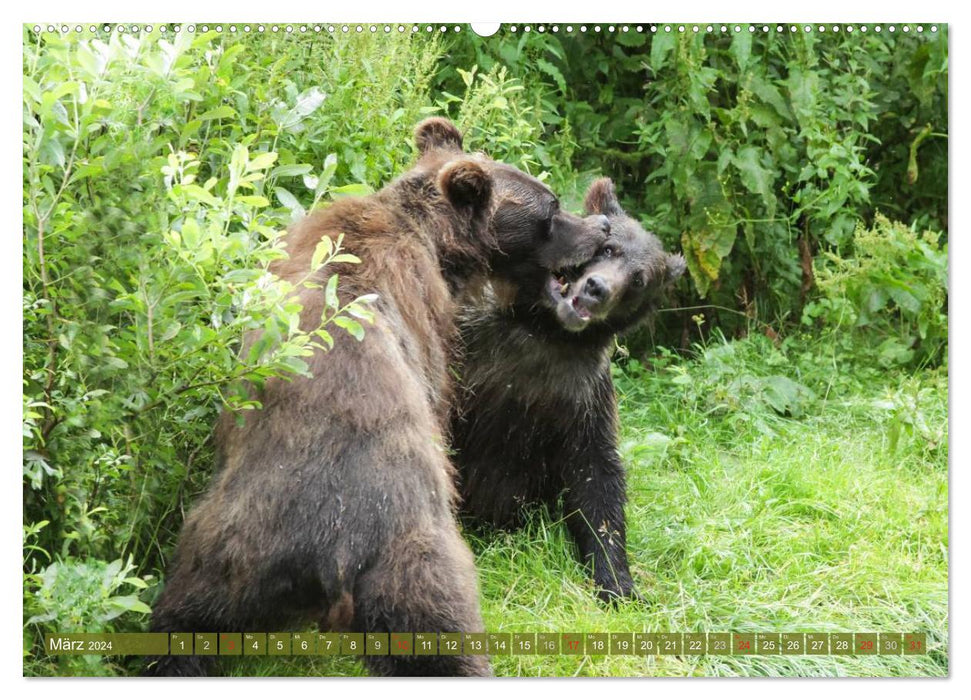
<point x="537" y="416"/>
<point x="335" y="501"/>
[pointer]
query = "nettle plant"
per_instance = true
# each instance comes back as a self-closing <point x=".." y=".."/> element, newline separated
<point x="890" y="296"/>
<point x="760" y="143"/>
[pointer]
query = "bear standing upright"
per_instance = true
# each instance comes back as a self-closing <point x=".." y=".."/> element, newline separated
<point x="537" y="417"/>
<point x="336" y="499"/>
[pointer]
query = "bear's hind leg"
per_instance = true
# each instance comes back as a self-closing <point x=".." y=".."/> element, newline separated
<point x="183" y="607"/>
<point x="426" y="584"/>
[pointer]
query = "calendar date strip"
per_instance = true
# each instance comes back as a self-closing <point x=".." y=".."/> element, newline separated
<point x="491" y="643"/>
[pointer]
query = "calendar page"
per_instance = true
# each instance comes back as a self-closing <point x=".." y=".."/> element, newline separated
<point x="611" y="349"/>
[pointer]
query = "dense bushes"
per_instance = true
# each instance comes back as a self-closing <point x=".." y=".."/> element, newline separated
<point x="159" y="171"/>
<point x="888" y="299"/>
<point x="751" y="151"/>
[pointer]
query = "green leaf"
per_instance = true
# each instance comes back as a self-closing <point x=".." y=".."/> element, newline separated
<point x="467" y="76"/>
<point x="224" y="112"/>
<point x="228" y="60"/>
<point x="904" y="299"/>
<point x="240" y="158"/>
<point x="295" y="365"/>
<point x="330" y="293"/>
<point x="198" y="194"/>
<point x="190" y="129"/>
<point x="704" y="249"/>
<point x="553" y="72"/>
<point x="756" y="178"/>
<point x="52" y="152"/>
<point x="290" y="202"/>
<point x="32" y="89"/>
<point x="191" y="233"/>
<point x="741" y="48"/>
<point x="661" y="45"/>
<point x="322" y="251"/>
<point x="351" y="326"/>
<point x="770" y="94"/>
<point x="346" y="258"/>
<point x="293" y="170"/>
<point x="262" y="161"/>
<point x="306" y="103"/>
<point x="360" y="312"/>
<point x="111" y="570"/>
<point x="803" y="88"/>
<point x="687" y="139"/>
<point x="632" y="38"/>
<point x="785" y="396"/>
<point x="324" y="337"/>
<point x="326" y="175"/>
<point x="710" y="229"/>
<point x="353" y="190"/>
<point x="171" y="331"/>
<point x="92" y="63"/>
<point x="63" y="89"/>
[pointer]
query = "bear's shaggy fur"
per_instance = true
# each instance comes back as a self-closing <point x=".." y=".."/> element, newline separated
<point x="335" y="501"/>
<point x="537" y="417"/>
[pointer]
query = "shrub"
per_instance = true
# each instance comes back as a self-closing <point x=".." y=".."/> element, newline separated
<point x="890" y="295"/>
<point x="750" y="151"/>
<point x="148" y="228"/>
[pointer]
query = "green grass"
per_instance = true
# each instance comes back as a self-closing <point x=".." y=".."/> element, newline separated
<point x="742" y="519"/>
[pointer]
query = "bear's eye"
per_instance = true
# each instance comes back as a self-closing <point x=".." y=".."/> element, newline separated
<point x="608" y="251"/>
<point x="638" y="281"/>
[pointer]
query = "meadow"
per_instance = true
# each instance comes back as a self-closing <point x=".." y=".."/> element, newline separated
<point x="744" y="520"/>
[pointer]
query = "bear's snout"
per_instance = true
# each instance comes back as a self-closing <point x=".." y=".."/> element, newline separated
<point x="596" y="288"/>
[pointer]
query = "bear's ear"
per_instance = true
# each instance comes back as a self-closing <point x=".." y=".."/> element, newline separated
<point x="675" y="267"/>
<point x="436" y="132"/>
<point x="601" y="198"/>
<point x="466" y="184"/>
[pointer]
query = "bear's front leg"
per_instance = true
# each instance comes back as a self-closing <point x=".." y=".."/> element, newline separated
<point x="594" y="501"/>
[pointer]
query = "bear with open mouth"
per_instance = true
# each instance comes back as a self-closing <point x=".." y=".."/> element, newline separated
<point x="335" y="500"/>
<point x="537" y="419"/>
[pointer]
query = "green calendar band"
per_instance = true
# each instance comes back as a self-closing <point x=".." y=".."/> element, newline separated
<point x="492" y="643"/>
<point x="121" y="644"/>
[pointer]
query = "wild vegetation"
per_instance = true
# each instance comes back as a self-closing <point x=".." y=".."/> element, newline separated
<point x="784" y="421"/>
